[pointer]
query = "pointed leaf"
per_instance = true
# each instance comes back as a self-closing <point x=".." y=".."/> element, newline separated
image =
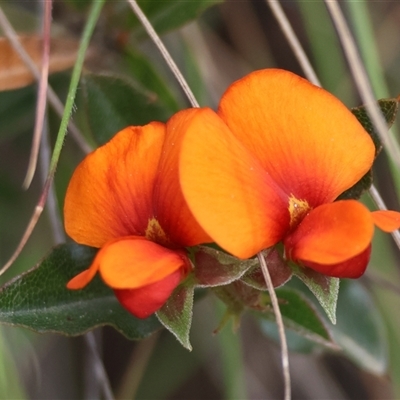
<point x="176" y="313"/>
<point x="215" y="267"/>
<point x="388" y="107"/>
<point x="301" y="316"/>
<point x="39" y="299"/>
<point x="113" y="103"/>
<point x="324" y="288"/>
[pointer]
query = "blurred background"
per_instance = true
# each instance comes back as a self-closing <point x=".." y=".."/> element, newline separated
<point x="218" y="43"/>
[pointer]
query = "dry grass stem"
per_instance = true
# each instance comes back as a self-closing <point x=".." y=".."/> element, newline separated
<point x="281" y="327"/>
<point x="164" y="52"/>
<point x="293" y="41"/>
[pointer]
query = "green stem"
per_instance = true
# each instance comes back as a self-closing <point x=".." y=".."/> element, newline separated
<point x="94" y="13"/>
<point x="87" y="33"/>
<point x="231" y="360"/>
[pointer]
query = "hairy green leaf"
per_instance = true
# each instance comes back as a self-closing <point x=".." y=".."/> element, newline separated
<point x="215" y="267"/>
<point x="324" y="288"/>
<point x="176" y="313"/>
<point x="39" y="299"/>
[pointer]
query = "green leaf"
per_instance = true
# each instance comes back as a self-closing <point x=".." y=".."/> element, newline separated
<point x="163" y="15"/>
<point x="215" y="267"/>
<point x="360" y="329"/>
<point x="149" y="77"/>
<point x="112" y="103"/>
<point x="301" y="316"/>
<point x="324" y="288"/>
<point x="356" y="191"/>
<point x="39" y="299"/>
<point x="176" y="313"/>
<point x="389" y="108"/>
<point x="296" y="342"/>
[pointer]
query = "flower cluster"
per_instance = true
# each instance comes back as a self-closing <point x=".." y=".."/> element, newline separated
<point x="266" y="168"/>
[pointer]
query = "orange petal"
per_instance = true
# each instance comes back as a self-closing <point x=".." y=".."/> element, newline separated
<point x="82" y="279"/>
<point x="227" y="190"/>
<point x="352" y="268"/>
<point x="308" y="141"/>
<point x="171" y="209"/>
<point x="110" y="192"/>
<point x="146" y="300"/>
<point x="132" y="262"/>
<point x="331" y="233"/>
<point x="388" y="221"/>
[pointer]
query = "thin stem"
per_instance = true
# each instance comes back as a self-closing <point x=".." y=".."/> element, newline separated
<point x="362" y="81"/>
<point x="376" y="197"/>
<point x="293" y="41"/>
<point x="281" y="327"/>
<point x="55" y="102"/>
<point x="87" y="33"/>
<point x="164" y="52"/>
<point x="41" y="97"/>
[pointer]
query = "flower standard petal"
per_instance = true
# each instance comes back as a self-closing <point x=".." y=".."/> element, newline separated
<point x="308" y="141"/>
<point x="110" y="192"/>
<point x="133" y="262"/>
<point x="226" y="188"/>
<point x="331" y="234"/>
<point x="170" y="207"/>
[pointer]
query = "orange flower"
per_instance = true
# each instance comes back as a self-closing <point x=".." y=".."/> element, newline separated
<point x="125" y="198"/>
<point x="268" y="167"/>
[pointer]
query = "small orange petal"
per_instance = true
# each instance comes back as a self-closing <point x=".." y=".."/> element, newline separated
<point x="331" y="233"/>
<point x="82" y="279"/>
<point x="227" y="190"/>
<point x="386" y="220"/>
<point x="132" y="262"/>
<point x="146" y="300"/>
<point x="110" y="192"/>
<point x="307" y="140"/>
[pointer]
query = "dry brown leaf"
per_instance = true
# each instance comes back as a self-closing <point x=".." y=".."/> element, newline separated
<point x="15" y="74"/>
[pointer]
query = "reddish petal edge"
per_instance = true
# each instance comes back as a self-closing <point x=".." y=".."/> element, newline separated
<point x="352" y="268"/>
<point x="386" y="220"/>
<point x="144" y="301"/>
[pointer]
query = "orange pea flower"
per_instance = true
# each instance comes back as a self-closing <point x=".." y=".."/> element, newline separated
<point x="268" y="167"/>
<point x="125" y="199"/>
